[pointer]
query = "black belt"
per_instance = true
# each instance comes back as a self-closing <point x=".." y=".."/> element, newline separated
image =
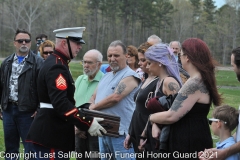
<point x="15" y="103"/>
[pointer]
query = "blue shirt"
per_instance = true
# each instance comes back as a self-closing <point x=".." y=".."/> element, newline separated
<point x="104" y="67"/>
<point x="126" y="106"/>
<point x="225" y="144"/>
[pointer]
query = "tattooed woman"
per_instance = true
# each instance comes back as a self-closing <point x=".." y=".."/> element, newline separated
<point x="161" y="63"/>
<point x="190" y="131"/>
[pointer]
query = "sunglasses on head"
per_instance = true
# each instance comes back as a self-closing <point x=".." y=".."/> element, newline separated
<point x="21" y="40"/>
<point x="210" y="120"/>
<point x="48" y="52"/>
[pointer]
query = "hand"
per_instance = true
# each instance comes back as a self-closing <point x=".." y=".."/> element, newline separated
<point x="155" y="131"/>
<point x="34" y="114"/>
<point x="95" y="129"/>
<point x="80" y="134"/>
<point x="92" y="106"/>
<point x="126" y="142"/>
<point x="141" y="145"/>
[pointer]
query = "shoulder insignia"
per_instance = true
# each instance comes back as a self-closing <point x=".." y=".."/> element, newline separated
<point x="61" y="82"/>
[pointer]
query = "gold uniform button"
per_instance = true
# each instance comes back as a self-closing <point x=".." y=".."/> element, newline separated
<point x="59" y="58"/>
<point x="78" y="115"/>
<point x="89" y="121"/>
<point x="83" y="118"/>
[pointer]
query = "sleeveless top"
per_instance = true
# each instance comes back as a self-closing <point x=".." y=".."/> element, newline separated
<point x="191" y="133"/>
<point x="124" y="109"/>
<point x="141" y="113"/>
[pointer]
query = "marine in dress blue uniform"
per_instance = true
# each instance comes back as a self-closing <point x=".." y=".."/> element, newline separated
<point x="53" y="127"/>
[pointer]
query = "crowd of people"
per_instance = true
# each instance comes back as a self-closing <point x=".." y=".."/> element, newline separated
<point x="161" y="92"/>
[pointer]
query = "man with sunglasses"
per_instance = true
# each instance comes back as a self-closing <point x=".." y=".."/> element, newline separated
<point x="18" y="94"/>
<point x="39" y="40"/>
<point x="224" y="153"/>
<point x="52" y="131"/>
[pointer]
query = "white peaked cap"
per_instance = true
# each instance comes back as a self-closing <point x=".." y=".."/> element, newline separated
<point x="74" y="33"/>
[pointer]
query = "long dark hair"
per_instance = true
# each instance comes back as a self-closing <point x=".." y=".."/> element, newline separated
<point x="199" y="55"/>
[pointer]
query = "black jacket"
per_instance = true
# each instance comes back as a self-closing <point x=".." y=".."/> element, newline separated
<point x="27" y="82"/>
<point x="54" y="127"/>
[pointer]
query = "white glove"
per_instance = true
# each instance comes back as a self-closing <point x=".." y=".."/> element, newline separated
<point x="95" y="128"/>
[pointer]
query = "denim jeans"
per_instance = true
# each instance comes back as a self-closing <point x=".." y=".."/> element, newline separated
<point x="16" y="124"/>
<point x="114" y="147"/>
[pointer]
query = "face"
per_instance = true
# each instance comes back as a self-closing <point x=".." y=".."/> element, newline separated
<point x="47" y="51"/>
<point x="235" y="69"/>
<point x="183" y="58"/>
<point x="214" y="127"/>
<point x="22" y="43"/>
<point x="90" y="65"/>
<point x="142" y="62"/>
<point x="175" y="47"/>
<point x="153" y="67"/>
<point x="75" y="47"/>
<point x="116" y="58"/>
<point x="131" y="59"/>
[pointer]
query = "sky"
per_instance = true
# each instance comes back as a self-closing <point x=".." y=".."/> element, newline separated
<point x="219" y="3"/>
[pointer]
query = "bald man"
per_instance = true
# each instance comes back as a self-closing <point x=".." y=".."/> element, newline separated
<point x="176" y="46"/>
<point x="85" y="86"/>
<point x="154" y="39"/>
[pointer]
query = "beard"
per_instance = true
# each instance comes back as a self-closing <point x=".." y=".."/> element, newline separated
<point x="114" y="66"/>
<point x="89" y="72"/>
<point x="23" y="49"/>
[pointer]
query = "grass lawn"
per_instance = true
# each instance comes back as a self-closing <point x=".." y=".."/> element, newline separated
<point x="224" y="78"/>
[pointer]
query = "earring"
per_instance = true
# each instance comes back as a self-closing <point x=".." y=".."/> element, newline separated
<point x="160" y="65"/>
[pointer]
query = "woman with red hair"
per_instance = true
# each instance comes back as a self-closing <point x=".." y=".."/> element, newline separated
<point x="190" y="132"/>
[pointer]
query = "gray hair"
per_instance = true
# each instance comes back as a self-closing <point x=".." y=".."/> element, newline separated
<point x="99" y="54"/>
<point x="119" y="43"/>
<point x="155" y="37"/>
<point x="179" y="44"/>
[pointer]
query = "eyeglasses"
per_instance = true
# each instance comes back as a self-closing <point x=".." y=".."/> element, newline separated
<point x="88" y="62"/>
<point x="21" y="40"/>
<point x="131" y="55"/>
<point x="210" y="120"/>
<point x="48" y="52"/>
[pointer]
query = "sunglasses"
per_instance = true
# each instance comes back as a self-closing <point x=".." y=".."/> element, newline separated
<point x="131" y="55"/>
<point x="21" y="40"/>
<point x="210" y="120"/>
<point x="48" y="52"/>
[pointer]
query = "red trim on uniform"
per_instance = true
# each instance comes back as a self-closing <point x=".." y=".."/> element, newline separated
<point x="71" y="112"/>
<point x="52" y="153"/>
<point x="89" y="124"/>
<point x="61" y="82"/>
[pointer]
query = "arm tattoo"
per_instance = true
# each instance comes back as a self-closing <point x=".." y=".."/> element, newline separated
<point x="177" y="102"/>
<point x="121" y="88"/>
<point x="173" y="87"/>
<point x="189" y="88"/>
